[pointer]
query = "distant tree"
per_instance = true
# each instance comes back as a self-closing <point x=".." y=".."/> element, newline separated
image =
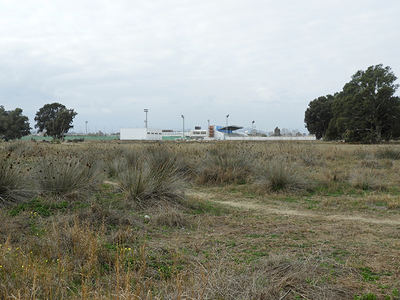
<point x="318" y="115"/>
<point x="13" y="124"/>
<point x="366" y="110"/>
<point x="54" y="120"/>
<point x="277" y="131"/>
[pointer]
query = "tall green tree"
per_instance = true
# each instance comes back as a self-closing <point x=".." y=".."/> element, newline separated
<point x="367" y="110"/>
<point x="318" y="115"/>
<point x="13" y="124"/>
<point x="54" y="120"/>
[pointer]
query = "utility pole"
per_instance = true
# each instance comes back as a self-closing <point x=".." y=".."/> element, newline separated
<point x="146" y="110"/>
<point x="183" y="127"/>
<point x="86" y="126"/>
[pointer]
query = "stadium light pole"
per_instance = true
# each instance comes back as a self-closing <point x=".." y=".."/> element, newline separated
<point x="183" y="127"/>
<point x="252" y="125"/>
<point x="227" y="130"/>
<point x="146" y="110"/>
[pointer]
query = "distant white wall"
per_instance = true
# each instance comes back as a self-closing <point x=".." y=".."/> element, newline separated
<point x="127" y="134"/>
<point x="272" y="138"/>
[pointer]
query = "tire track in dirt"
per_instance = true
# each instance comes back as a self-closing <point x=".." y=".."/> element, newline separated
<point x="264" y="208"/>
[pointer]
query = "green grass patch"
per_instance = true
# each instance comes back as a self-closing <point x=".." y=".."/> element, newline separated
<point x="38" y="206"/>
<point x="200" y="207"/>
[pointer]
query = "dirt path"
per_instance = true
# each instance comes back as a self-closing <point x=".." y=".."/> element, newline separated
<point x="265" y="208"/>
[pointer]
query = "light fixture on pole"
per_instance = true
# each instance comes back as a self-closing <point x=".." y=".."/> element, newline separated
<point x="183" y="126"/>
<point x="146" y="110"/>
<point x="227" y="130"/>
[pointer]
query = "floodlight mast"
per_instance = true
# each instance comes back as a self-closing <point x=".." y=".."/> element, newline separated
<point x="183" y="126"/>
<point x="146" y="110"/>
<point x="227" y="130"/>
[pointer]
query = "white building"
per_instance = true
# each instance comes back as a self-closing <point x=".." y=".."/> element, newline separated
<point x="127" y="134"/>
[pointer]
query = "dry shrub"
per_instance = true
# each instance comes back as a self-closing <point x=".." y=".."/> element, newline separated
<point x="334" y="175"/>
<point x="225" y="163"/>
<point x="280" y="176"/>
<point x="72" y="262"/>
<point x="21" y="148"/>
<point x="152" y="179"/>
<point x="67" y="176"/>
<point x="97" y="216"/>
<point x="376" y="164"/>
<point x="366" y="179"/>
<point x="310" y="156"/>
<point x="388" y="153"/>
<point x="170" y="216"/>
<point x="274" y="278"/>
<point x="14" y="184"/>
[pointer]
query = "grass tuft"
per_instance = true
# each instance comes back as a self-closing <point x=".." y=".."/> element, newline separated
<point x="67" y="177"/>
<point x="388" y="153"/>
<point x="280" y="176"/>
<point x="225" y="165"/>
<point x="13" y="182"/>
<point x="151" y="179"/>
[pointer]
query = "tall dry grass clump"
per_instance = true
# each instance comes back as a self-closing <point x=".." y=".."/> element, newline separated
<point x="72" y="262"/>
<point x="151" y="178"/>
<point x="281" y="176"/>
<point x="67" y="176"/>
<point x="14" y="186"/>
<point x="225" y="164"/>
<point x="366" y="179"/>
<point x="388" y="153"/>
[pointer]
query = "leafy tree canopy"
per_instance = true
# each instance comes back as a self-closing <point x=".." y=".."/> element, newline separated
<point x="54" y="120"/>
<point x="318" y="115"/>
<point x="13" y="124"/>
<point x="366" y="110"/>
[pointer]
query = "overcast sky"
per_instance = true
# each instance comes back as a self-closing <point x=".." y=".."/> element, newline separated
<point x="253" y="59"/>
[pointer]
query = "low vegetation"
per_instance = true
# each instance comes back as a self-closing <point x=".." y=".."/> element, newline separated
<point x="227" y="220"/>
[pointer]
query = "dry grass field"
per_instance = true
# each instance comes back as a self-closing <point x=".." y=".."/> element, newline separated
<point x="226" y="220"/>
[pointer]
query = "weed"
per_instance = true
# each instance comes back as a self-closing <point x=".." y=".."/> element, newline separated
<point x="369" y="296"/>
<point x="368" y="275"/>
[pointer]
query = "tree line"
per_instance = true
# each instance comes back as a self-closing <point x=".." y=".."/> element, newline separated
<point x="366" y="110"/>
<point x="52" y="120"/>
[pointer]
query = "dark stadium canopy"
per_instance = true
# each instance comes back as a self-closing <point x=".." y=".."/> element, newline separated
<point x="230" y="128"/>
